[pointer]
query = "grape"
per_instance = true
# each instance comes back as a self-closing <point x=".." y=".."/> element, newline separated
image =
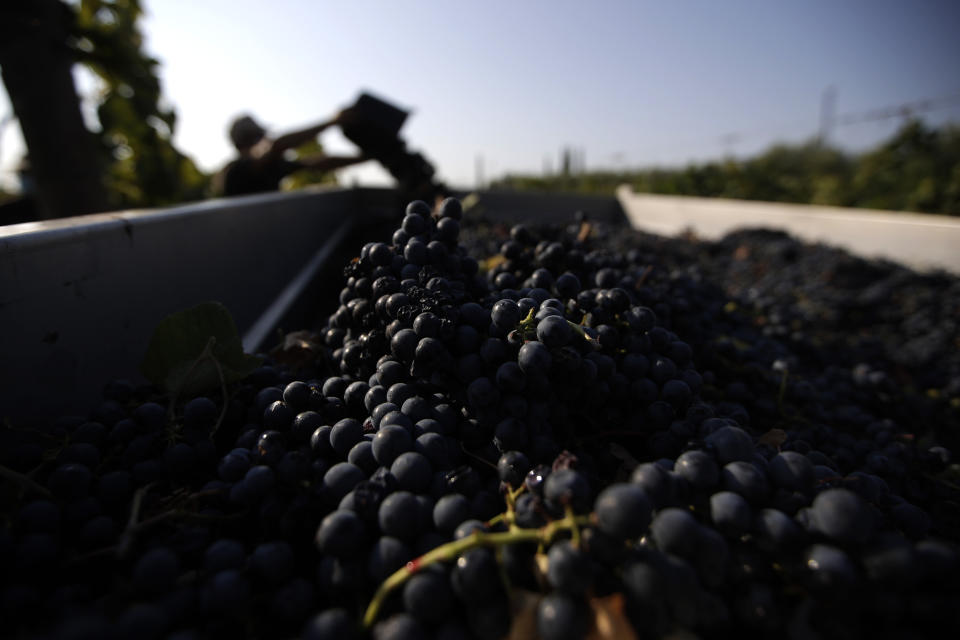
<point x="475" y="576"/>
<point x="936" y="558"/>
<point x="278" y="415"/>
<point x="699" y="469"/>
<point x="416" y="408"/>
<point x="156" y="571"/>
<point x="433" y="447"/>
<point x="623" y="511"/>
<point x="777" y="530"/>
<point x="468" y="527"/>
<point x="529" y="512"/>
<point x="331" y="623"/>
<point x="397" y="418"/>
<point x="428" y="596"/>
<point x="340" y="534"/>
<point x="567" y="487"/>
<point x="39" y="516"/>
<point x="270" y="448"/>
<point x="791" y="470"/>
<point x="482" y="393"/>
<point x="395" y="515"/>
<point x="731" y="444"/>
<point x="505" y="313"/>
<point x="340" y="479"/>
<point x="675" y="531"/>
<point x="510" y="378"/>
<point x="554" y="331"/>
<point x="841" y="515"/>
<point x="656" y="482"/>
<point x="412" y="471"/>
<point x="389" y="442"/>
<point x="361" y="454"/>
<point x="731" y="513"/>
<point x="512" y="468"/>
<point x="450" y="511"/>
<point x="400" y="626"/>
<point x="224" y="554"/>
<point x="830" y="567"/>
<point x="387" y="555"/>
<point x="745" y="479"/>
<point x="725" y="448"/>
<point x="510" y="433"/>
<point x="568" y="569"/>
<point x="274" y="561"/>
<point x="534" y="358"/>
<point x="911" y="519"/>
<point x="400" y="392"/>
<point x="70" y="481"/>
<point x="561" y="617"/>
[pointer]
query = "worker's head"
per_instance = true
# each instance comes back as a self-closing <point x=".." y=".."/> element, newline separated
<point x="246" y="132"/>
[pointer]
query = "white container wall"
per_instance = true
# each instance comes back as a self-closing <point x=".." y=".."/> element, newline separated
<point x="918" y="240"/>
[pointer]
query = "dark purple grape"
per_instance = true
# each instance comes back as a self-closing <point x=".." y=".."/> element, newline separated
<point x="569" y="569"/>
<point x="699" y="469"/>
<point x="390" y="442"/>
<point x="340" y="534"/>
<point x="623" y="511"/>
<point x="224" y="554"/>
<point x="562" y="617"/>
<point x="273" y="562"/>
<point x="344" y="435"/>
<point x="428" y="596"/>
<point x="656" y="482"/>
<point x="842" y="515"/>
<point x="675" y="531"/>
<point x="475" y="576"/>
<point x="387" y="555"/>
<point x="731" y="444"/>
<point x="450" y="511"/>
<point x="330" y="623"/>
<point x="396" y="516"/>
<point x="412" y="471"/>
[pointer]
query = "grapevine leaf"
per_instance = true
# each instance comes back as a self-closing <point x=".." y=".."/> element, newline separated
<point x="171" y="360"/>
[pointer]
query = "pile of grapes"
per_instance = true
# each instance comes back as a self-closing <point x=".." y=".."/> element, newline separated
<point x="567" y="431"/>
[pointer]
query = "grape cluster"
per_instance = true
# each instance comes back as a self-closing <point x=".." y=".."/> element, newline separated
<point x="581" y="435"/>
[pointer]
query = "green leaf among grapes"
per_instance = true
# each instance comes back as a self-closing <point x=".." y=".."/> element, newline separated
<point x="173" y="357"/>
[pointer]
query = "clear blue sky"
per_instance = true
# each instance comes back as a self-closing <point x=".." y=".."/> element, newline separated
<point x="632" y="83"/>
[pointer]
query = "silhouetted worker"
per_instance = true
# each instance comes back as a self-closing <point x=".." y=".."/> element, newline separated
<point x="263" y="162"/>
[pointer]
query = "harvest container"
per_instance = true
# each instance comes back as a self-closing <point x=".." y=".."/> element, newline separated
<point x="80" y="297"/>
<point x="919" y="240"/>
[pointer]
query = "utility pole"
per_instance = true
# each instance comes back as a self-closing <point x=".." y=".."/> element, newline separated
<point x="828" y="105"/>
<point x="478" y="171"/>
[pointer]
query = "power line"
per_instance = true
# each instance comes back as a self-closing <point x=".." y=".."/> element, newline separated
<point x="828" y="120"/>
<point x="904" y="110"/>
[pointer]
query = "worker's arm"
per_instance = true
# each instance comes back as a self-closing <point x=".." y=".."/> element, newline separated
<point x="329" y="163"/>
<point x="294" y="139"/>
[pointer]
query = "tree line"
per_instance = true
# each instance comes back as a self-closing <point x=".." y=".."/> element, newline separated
<point x="916" y="169"/>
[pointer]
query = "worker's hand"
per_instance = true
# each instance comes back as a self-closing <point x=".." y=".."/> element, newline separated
<point x="346" y="117"/>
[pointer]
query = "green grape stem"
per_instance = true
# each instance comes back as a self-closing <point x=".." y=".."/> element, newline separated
<point x="450" y="551"/>
<point x="25" y="482"/>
